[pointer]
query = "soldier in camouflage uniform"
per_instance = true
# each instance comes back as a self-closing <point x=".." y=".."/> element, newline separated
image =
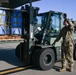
<point x="67" y="45"/>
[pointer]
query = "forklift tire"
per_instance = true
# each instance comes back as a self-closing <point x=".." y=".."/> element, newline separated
<point x="45" y="59"/>
<point x="18" y="51"/>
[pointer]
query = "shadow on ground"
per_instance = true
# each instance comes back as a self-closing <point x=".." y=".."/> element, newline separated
<point x="8" y="55"/>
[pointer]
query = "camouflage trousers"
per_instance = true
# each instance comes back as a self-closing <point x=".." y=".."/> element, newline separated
<point x="67" y="54"/>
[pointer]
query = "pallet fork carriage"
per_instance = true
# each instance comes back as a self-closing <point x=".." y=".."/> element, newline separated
<point x="36" y="48"/>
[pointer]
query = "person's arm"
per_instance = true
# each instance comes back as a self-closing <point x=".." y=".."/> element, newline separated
<point x="71" y="25"/>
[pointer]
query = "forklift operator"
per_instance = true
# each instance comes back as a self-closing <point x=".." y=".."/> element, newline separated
<point x="50" y="27"/>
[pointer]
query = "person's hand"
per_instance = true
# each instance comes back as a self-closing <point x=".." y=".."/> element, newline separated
<point x="64" y="15"/>
<point x="48" y="31"/>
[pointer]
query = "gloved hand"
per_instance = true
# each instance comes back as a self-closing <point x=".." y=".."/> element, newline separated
<point x="64" y="15"/>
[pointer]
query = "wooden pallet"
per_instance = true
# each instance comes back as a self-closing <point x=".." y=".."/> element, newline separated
<point x="6" y="38"/>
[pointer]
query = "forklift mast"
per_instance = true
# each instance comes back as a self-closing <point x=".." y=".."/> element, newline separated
<point x="32" y="12"/>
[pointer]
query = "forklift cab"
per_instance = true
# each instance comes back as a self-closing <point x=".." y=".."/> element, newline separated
<point x="46" y="30"/>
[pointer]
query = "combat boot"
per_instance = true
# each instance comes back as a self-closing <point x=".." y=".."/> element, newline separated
<point x="71" y="69"/>
<point x="62" y="69"/>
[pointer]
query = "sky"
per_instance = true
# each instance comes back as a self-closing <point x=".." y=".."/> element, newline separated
<point x="66" y="6"/>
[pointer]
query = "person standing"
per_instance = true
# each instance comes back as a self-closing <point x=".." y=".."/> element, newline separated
<point x="67" y="45"/>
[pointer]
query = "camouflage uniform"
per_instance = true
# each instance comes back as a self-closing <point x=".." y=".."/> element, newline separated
<point x="67" y="45"/>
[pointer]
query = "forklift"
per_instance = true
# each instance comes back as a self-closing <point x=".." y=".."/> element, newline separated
<point x="37" y="47"/>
